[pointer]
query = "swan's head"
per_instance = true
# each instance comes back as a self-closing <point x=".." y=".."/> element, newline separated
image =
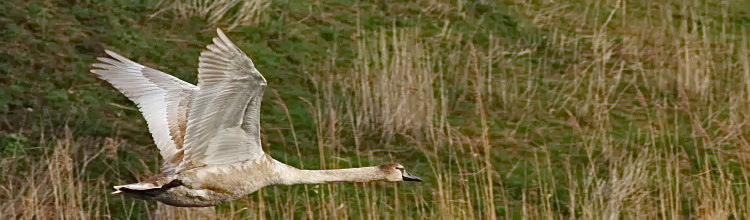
<point x="396" y="173"/>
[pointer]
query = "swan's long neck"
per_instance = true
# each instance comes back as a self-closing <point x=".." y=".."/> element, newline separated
<point x="289" y="175"/>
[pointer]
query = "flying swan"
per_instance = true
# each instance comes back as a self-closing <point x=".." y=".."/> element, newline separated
<point x="209" y="135"/>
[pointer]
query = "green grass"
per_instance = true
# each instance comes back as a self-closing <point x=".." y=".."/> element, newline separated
<point x="509" y="109"/>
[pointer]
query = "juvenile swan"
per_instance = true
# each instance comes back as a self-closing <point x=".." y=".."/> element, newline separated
<point x="209" y="135"/>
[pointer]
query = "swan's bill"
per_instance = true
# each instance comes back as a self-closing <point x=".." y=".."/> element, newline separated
<point x="409" y="177"/>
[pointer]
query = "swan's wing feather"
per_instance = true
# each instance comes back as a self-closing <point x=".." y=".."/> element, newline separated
<point x="163" y="100"/>
<point x="230" y="87"/>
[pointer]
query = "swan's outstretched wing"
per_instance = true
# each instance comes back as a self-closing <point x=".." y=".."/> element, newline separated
<point x="163" y="100"/>
<point x="218" y="131"/>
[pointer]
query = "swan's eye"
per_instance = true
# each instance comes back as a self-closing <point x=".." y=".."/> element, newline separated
<point x="400" y="168"/>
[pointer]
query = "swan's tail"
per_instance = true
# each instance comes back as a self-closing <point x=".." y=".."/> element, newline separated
<point x="145" y="190"/>
<point x="134" y="187"/>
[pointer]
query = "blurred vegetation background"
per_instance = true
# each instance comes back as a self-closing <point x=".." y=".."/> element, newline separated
<point x="508" y="109"/>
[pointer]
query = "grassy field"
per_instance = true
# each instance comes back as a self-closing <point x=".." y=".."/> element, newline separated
<point x="511" y="109"/>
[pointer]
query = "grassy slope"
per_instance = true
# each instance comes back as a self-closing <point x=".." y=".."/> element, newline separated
<point x="524" y="109"/>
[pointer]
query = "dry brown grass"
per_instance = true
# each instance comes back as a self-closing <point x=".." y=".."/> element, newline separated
<point x="53" y="187"/>
<point x="391" y="88"/>
<point x="226" y="13"/>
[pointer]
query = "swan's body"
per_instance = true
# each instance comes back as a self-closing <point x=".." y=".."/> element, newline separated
<point x="209" y="135"/>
